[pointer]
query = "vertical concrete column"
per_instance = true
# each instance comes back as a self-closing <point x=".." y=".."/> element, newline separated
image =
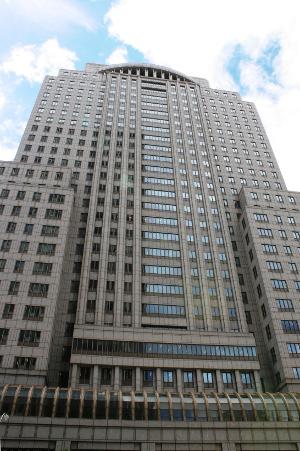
<point x="158" y="379"/>
<point x="199" y="380"/>
<point x="257" y="381"/>
<point x="179" y="379"/>
<point x="148" y="447"/>
<point x="238" y="382"/>
<point x="96" y="376"/>
<point x="228" y="447"/>
<point x="74" y="375"/>
<point x="117" y="378"/>
<point x="138" y="379"/>
<point x="62" y="444"/>
<point x="219" y="381"/>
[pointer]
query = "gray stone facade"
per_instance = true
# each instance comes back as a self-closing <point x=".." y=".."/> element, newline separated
<point x="137" y="225"/>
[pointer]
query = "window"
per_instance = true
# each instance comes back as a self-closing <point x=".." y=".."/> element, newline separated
<point x="208" y="379"/>
<point x="19" y="266"/>
<point x="265" y="232"/>
<point x="8" y="311"/>
<point x="285" y="305"/>
<point x="188" y="378"/>
<point x="38" y="290"/>
<point x="42" y="268"/>
<point x="228" y="379"/>
<point x="287" y="250"/>
<point x="4" y="193"/>
<point x="5" y="246"/>
<point x="28" y="229"/>
<point x="32" y="212"/>
<point x="36" y="197"/>
<point x="294" y="348"/>
<point x="25" y="363"/>
<point x="106" y="376"/>
<point x="293" y="267"/>
<point x="20" y="195"/>
<point x="53" y="214"/>
<point x="84" y="375"/>
<point x="24" y="246"/>
<point x="29" y="338"/>
<point x="273" y="355"/>
<point x="162" y="289"/>
<point x="14" y="288"/>
<point x="34" y="312"/>
<point x="260" y="217"/>
<point x="16" y="210"/>
<point x="274" y="266"/>
<point x="49" y="230"/>
<point x="57" y="198"/>
<point x="279" y="284"/>
<point x="268" y="332"/>
<point x="296" y="372"/>
<point x="3" y="336"/>
<point x="46" y="249"/>
<point x="247" y="379"/>
<point x="126" y="377"/>
<point x="168" y="378"/>
<point x="11" y="227"/>
<point x="148" y="377"/>
<point x="290" y="326"/>
<point x="282" y="234"/>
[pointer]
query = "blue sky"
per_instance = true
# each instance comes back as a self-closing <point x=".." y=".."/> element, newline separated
<point x="259" y="56"/>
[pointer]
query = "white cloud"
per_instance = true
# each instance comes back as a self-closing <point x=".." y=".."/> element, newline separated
<point x="118" y="56"/>
<point x="200" y="39"/>
<point x="2" y="100"/>
<point x="10" y="134"/>
<point x="49" y="14"/>
<point x="33" y="62"/>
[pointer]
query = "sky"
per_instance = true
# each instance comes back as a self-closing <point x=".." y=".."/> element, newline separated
<point x="250" y="47"/>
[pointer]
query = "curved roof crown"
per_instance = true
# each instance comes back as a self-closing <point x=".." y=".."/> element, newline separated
<point x="148" y="70"/>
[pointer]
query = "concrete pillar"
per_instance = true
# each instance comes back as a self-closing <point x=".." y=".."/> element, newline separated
<point x="228" y="447"/>
<point x="239" y="387"/>
<point x="179" y="379"/>
<point x="199" y="380"/>
<point x="62" y="445"/>
<point x="257" y="381"/>
<point x="148" y="447"/>
<point x="96" y="376"/>
<point x="158" y="380"/>
<point x="74" y="375"/>
<point x="219" y="381"/>
<point x="138" y="386"/>
<point x="117" y="378"/>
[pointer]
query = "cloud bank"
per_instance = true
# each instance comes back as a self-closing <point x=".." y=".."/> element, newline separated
<point x="252" y="47"/>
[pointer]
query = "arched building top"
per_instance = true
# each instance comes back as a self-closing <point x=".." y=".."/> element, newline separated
<point x="146" y="70"/>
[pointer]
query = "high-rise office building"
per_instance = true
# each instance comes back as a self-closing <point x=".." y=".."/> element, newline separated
<point x="148" y="241"/>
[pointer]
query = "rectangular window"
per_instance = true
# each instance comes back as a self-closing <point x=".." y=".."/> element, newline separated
<point x="53" y="214"/>
<point x="34" y="313"/>
<point x="46" y="249"/>
<point x="29" y="338"/>
<point x="25" y="363"/>
<point x="290" y="326"/>
<point x="168" y="378"/>
<point x="38" y="290"/>
<point x="42" y="268"/>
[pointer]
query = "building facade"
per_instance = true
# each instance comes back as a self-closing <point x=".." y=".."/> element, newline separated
<point x="148" y="241"/>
